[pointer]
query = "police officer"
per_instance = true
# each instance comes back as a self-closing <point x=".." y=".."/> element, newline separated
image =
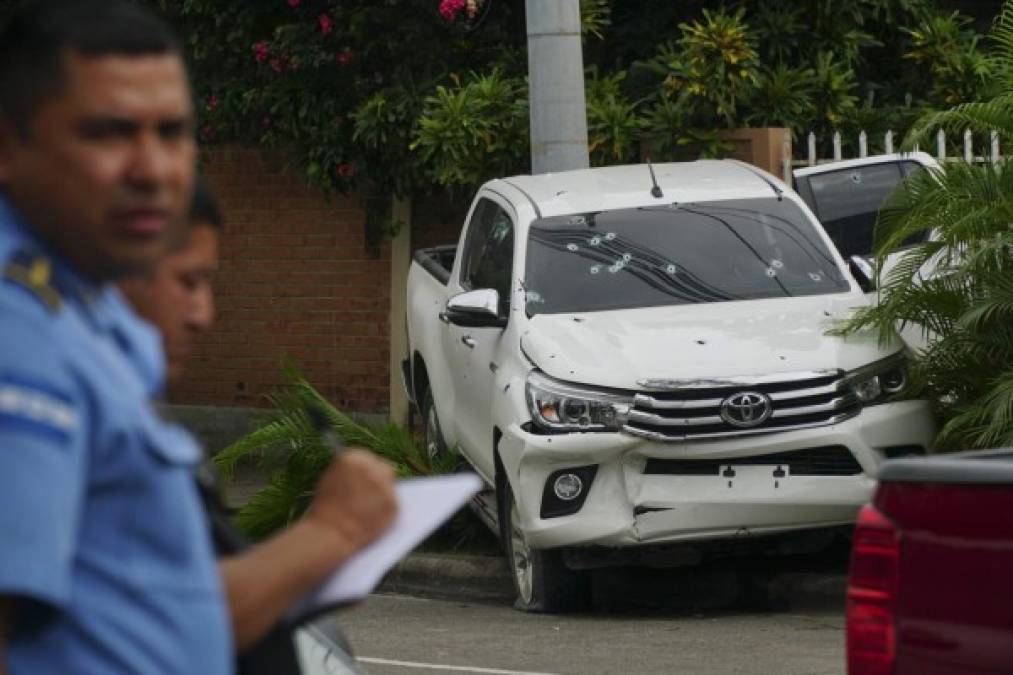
<point x="177" y="295"/>
<point x="106" y="566"/>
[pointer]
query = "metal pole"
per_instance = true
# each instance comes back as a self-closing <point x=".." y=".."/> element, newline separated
<point x="556" y="81"/>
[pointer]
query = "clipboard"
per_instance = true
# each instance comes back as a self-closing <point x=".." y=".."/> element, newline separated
<point x="423" y="505"/>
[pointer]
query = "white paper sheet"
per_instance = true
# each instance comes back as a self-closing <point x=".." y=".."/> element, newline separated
<point x="423" y="505"/>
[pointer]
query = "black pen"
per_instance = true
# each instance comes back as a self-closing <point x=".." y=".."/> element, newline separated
<point x="322" y="425"/>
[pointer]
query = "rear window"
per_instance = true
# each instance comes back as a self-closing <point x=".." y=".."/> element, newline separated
<point x="676" y="254"/>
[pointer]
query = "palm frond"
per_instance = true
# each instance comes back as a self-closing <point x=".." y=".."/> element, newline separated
<point x="997" y="306"/>
<point x="289" y="448"/>
<point x="956" y="283"/>
<point x="981" y="117"/>
<point x="278" y="504"/>
<point x="987" y="423"/>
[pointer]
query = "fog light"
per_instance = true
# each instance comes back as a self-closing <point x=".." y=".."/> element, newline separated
<point x="565" y="490"/>
<point x="568" y="487"/>
<point x="893" y="381"/>
<point x="868" y="390"/>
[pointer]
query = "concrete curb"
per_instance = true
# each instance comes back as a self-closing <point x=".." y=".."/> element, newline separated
<point x="470" y="577"/>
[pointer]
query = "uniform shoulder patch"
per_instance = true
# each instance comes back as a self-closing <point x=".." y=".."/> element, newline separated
<point x="34" y="273"/>
<point x="38" y="408"/>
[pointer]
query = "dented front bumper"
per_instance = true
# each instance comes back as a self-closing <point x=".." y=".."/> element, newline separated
<point x="649" y="492"/>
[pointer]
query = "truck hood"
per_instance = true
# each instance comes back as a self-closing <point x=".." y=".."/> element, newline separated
<point x="705" y="341"/>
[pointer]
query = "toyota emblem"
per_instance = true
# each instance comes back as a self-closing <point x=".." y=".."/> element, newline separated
<point x="746" y="409"/>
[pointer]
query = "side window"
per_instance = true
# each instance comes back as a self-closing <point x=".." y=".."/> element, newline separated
<point x="911" y="167"/>
<point x="489" y="251"/>
<point x="848" y="202"/>
<point x="803" y="190"/>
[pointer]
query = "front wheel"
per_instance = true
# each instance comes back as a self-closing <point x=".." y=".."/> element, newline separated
<point x="436" y="447"/>
<point x="542" y="580"/>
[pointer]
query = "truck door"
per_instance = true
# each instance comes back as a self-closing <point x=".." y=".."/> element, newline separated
<point x="486" y="262"/>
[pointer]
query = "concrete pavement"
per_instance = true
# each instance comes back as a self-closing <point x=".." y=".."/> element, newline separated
<point x="404" y="635"/>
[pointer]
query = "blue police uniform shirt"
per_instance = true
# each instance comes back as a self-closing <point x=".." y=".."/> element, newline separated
<point x="103" y="536"/>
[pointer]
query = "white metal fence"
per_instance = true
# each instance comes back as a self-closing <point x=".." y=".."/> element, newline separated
<point x="990" y="150"/>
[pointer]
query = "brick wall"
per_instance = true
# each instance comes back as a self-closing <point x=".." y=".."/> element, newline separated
<point x="438" y="219"/>
<point x="295" y="282"/>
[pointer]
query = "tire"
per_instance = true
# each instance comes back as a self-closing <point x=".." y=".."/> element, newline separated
<point x="436" y="446"/>
<point x="543" y="582"/>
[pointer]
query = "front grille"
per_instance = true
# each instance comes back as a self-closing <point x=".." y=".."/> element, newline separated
<point x="831" y="460"/>
<point x="693" y="411"/>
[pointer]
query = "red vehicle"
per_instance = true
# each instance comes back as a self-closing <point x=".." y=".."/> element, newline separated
<point x="931" y="585"/>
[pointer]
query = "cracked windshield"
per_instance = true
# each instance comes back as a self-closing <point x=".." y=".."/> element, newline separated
<point x="676" y="254"/>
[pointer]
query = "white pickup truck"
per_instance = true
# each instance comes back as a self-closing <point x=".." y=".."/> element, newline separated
<point x="636" y="361"/>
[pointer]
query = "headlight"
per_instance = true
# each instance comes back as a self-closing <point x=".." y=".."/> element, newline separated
<point x="565" y="407"/>
<point x="877" y="381"/>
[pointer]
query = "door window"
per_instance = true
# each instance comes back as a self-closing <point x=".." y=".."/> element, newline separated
<point x="489" y="251"/>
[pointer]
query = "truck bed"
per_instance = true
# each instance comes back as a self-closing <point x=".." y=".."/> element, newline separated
<point x="437" y="260"/>
<point x="954" y="517"/>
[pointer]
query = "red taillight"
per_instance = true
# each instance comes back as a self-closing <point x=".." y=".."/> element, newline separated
<point x="872" y="595"/>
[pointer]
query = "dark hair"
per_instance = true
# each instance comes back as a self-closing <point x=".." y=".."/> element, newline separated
<point x="204" y="208"/>
<point x="38" y="33"/>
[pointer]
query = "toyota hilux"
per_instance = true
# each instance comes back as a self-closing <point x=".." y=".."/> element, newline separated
<point x="636" y="359"/>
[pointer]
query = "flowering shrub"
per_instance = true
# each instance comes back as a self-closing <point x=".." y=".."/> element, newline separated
<point x="339" y="82"/>
<point x="326" y="25"/>
<point x="451" y="8"/>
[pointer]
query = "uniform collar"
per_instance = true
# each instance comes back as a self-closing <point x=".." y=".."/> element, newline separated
<point x="101" y="305"/>
<point x="69" y="283"/>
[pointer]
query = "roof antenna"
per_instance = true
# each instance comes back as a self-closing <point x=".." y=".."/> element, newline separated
<point x="656" y="190"/>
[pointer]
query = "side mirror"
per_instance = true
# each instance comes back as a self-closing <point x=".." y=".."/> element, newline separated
<point x="862" y="270"/>
<point x="475" y="309"/>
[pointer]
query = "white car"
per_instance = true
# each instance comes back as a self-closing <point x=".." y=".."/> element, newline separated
<point x="846" y="197"/>
<point x="321" y="649"/>
<point x="636" y="360"/>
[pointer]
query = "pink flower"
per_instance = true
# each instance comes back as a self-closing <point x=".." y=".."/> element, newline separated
<point x="260" y="52"/>
<point x="346" y="170"/>
<point x="277" y="65"/>
<point x="451" y="8"/>
<point x="345" y="56"/>
<point x="293" y="3"/>
<point x="326" y="25"/>
<point x="212" y="102"/>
